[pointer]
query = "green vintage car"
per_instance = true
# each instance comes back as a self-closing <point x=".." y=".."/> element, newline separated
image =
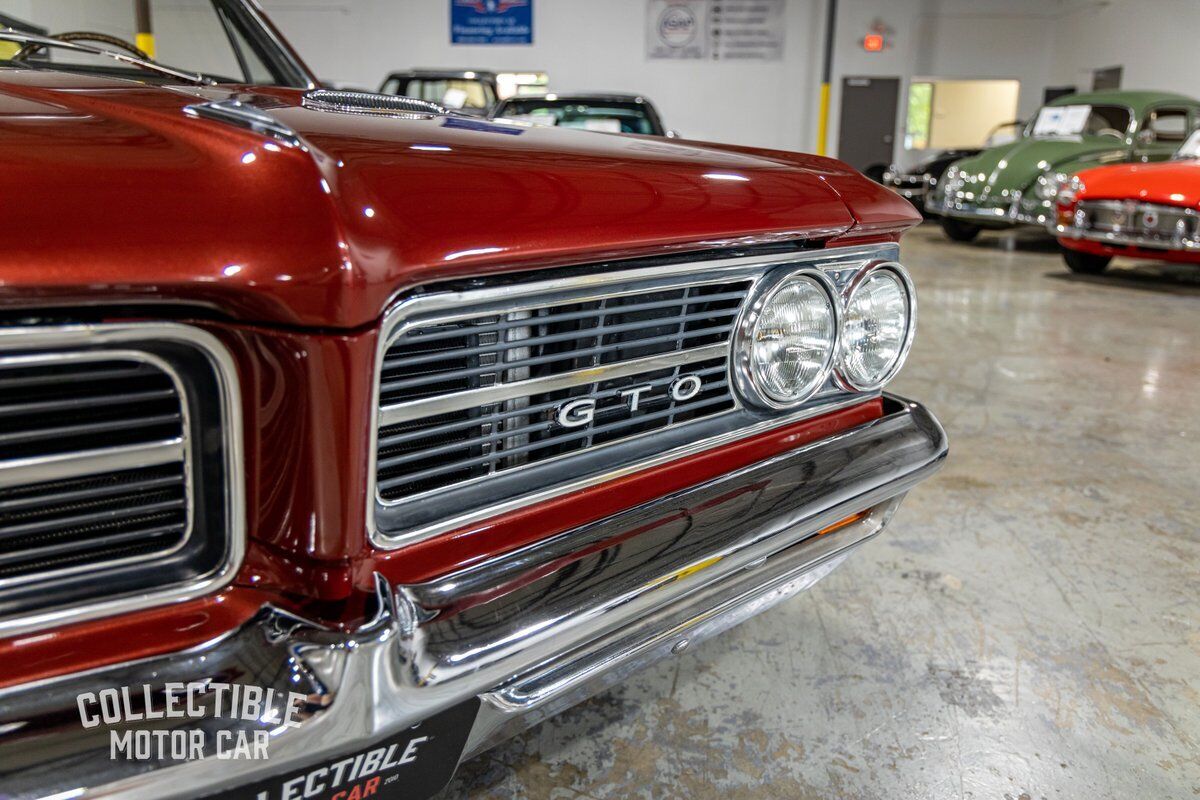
<point x="1016" y="184"/>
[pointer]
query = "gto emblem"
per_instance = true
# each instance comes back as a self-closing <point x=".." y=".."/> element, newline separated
<point x="582" y="411"/>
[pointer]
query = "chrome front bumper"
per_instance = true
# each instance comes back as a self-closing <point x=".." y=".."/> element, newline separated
<point x="529" y="633"/>
<point x="993" y="216"/>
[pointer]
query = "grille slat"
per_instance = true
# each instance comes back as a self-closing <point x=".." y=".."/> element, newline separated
<point x="478" y="396"/>
<point x="570" y="316"/>
<point x="675" y="338"/>
<point x="93" y="463"/>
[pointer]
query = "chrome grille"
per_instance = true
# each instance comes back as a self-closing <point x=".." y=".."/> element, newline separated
<point x="93" y="466"/>
<point x="479" y="381"/>
<point x="1145" y="224"/>
<point x="439" y="441"/>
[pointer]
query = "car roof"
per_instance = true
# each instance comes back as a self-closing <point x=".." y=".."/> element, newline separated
<point x="442" y="73"/>
<point x="568" y="97"/>
<point x="1134" y="99"/>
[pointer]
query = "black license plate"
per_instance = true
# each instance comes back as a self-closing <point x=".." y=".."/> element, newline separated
<point x="411" y="765"/>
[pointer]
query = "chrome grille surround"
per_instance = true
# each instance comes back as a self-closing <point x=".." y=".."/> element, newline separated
<point x="1136" y="223"/>
<point x="74" y="489"/>
<point x="416" y="512"/>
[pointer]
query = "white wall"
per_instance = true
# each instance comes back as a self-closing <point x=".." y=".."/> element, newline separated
<point x="1154" y="40"/>
<point x="583" y="45"/>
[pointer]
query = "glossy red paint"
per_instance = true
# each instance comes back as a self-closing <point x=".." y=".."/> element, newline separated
<point x="458" y="549"/>
<point x="1170" y="183"/>
<point x="74" y="648"/>
<point x="122" y="192"/>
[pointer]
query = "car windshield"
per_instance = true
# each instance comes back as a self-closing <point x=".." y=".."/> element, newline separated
<point x="464" y="93"/>
<point x="1082" y="120"/>
<point x="599" y="115"/>
<point x="219" y="39"/>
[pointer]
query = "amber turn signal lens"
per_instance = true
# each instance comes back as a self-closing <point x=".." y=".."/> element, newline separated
<point x="850" y="520"/>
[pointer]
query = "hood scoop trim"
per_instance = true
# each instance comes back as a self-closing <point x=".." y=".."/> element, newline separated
<point x="244" y="115"/>
<point x="387" y="105"/>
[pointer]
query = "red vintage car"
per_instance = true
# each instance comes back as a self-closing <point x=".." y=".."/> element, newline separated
<point x="1148" y="211"/>
<point x="342" y="436"/>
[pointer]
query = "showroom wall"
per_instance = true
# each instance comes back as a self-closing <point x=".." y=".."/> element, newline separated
<point x="585" y="44"/>
<point x="1154" y="41"/>
<point x="582" y="44"/>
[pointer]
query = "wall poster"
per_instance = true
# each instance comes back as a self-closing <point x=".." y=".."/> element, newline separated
<point x="717" y="30"/>
<point x="491" y="21"/>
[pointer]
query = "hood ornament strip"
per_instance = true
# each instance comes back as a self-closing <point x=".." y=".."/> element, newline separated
<point x="347" y="102"/>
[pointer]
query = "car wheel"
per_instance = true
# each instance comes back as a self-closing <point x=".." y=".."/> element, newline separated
<point x="960" y="231"/>
<point x="1086" y="263"/>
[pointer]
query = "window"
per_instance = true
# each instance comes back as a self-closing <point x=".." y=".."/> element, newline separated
<point x="1169" y="124"/>
<point x="449" y="92"/>
<point x="920" y="116"/>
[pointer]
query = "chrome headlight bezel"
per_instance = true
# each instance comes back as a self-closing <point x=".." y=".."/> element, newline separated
<point x="746" y="380"/>
<point x="841" y="377"/>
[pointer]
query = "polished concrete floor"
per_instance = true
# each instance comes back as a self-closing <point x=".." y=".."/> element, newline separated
<point x="1028" y="628"/>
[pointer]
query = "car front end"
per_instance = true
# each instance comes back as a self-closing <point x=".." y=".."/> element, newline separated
<point x="317" y="481"/>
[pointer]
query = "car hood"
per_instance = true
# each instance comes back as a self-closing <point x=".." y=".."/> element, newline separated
<point x="123" y="192"/>
<point x="994" y="174"/>
<point x="1174" y="183"/>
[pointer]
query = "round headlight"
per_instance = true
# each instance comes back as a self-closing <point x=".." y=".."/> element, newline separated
<point x="878" y="327"/>
<point x="787" y="342"/>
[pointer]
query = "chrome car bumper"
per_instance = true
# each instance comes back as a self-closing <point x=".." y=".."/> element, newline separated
<point x="993" y="216"/>
<point x="528" y="633"/>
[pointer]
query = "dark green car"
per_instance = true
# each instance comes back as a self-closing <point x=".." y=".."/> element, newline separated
<point x="1017" y="183"/>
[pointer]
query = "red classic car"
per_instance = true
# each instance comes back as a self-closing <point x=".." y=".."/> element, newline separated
<point x="1149" y="211"/>
<point x="315" y="480"/>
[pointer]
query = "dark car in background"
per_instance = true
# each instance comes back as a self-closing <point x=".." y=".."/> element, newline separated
<point x="915" y="182"/>
<point x="470" y="91"/>
<point x="612" y="113"/>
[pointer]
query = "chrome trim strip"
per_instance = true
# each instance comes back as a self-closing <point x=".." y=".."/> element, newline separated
<point x="22" y="471"/>
<point x="432" y="406"/>
<point x="452" y="306"/>
<point x="118" y="337"/>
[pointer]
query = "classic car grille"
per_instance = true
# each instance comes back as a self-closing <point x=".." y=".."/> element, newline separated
<point x="73" y="489"/>
<point x="1147" y="224"/>
<point x="455" y="415"/>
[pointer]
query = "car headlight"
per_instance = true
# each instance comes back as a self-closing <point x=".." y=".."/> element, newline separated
<point x="1049" y="184"/>
<point x="787" y="341"/>
<point x="877" y="328"/>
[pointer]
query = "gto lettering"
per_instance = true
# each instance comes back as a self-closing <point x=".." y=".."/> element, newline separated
<point x="582" y="411"/>
<point x="577" y="413"/>
<point x="685" y="388"/>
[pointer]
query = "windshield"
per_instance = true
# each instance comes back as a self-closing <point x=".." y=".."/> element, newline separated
<point x="1082" y="120"/>
<point x="220" y="39"/>
<point x="463" y="93"/>
<point x="600" y="115"/>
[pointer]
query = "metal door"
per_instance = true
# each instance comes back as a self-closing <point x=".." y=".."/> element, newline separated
<point x="867" y="132"/>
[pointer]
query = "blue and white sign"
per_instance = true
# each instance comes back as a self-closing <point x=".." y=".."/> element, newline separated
<point x="491" y="21"/>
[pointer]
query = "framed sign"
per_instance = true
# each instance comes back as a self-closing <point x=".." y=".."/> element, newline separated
<point x="491" y="21"/>
<point x="718" y="30"/>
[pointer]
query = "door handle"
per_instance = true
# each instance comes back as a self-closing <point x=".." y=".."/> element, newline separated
<point x="889" y="138"/>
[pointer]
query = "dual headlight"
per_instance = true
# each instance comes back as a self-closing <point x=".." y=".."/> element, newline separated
<point x="799" y="329"/>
